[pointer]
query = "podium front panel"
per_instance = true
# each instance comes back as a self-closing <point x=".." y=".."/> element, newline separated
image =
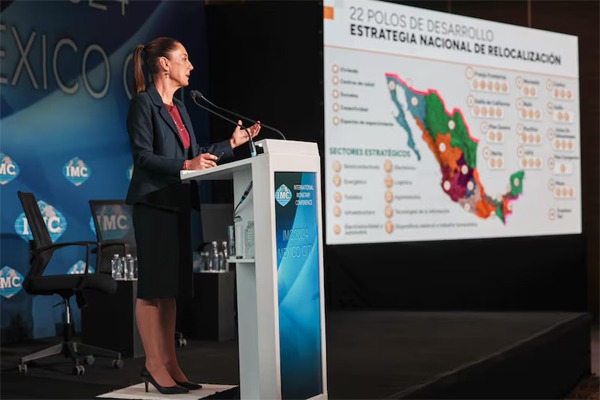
<point x="298" y="284"/>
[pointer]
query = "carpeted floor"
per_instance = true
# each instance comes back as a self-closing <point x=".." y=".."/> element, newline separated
<point x="370" y="355"/>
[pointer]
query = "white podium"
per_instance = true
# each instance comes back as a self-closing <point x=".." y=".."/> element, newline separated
<point x="280" y="294"/>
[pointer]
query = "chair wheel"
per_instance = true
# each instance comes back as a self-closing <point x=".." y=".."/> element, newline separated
<point x="89" y="359"/>
<point x="78" y="370"/>
<point x="118" y="364"/>
<point x="22" y="369"/>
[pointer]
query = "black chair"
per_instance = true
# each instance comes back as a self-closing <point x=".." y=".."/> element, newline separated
<point x="64" y="285"/>
<point x="113" y="220"/>
<point x="114" y="230"/>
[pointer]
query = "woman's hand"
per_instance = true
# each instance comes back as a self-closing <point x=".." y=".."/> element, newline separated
<point x="240" y="136"/>
<point x="203" y="161"/>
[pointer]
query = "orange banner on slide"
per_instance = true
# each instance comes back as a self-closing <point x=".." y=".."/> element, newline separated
<point x="327" y="12"/>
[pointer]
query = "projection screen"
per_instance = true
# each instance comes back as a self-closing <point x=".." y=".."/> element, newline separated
<point x="439" y="126"/>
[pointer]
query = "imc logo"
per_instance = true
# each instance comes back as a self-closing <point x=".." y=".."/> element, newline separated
<point x="10" y="282"/>
<point x="76" y="171"/>
<point x="114" y="221"/>
<point x="79" y="268"/>
<point x="9" y="169"/>
<point x="56" y="223"/>
<point x="283" y="195"/>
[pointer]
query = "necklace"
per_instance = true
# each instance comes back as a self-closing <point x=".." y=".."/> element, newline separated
<point x="170" y="109"/>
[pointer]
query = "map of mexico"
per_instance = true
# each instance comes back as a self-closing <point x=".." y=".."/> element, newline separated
<point x="447" y="136"/>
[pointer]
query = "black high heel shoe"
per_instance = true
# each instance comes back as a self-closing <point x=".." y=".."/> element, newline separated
<point x="189" y="385"/>
<point x="147" y="378"/>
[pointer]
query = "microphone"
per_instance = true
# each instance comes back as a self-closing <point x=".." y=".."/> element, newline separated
<point x="239" y="115"/>
<point x="195" y="93"/>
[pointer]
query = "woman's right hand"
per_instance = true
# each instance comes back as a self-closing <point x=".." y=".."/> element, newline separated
<point x="240" y="135"/>
<point x="203" y="161"/>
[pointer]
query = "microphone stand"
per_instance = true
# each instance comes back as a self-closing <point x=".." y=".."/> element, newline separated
<point x="250" y="141"/>
<point x="241" y="116"/>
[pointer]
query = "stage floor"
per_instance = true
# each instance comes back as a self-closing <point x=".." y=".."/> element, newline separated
<point x="370" y="355"/>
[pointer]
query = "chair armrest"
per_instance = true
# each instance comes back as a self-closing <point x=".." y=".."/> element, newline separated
<point x="115" y="242"/>
<point x="57" y="246"/>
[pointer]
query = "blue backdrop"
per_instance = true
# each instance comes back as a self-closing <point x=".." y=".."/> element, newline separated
<point x="65" y="70"/>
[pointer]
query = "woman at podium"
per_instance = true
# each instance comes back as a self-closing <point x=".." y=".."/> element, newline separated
<point x="163" y="143"/>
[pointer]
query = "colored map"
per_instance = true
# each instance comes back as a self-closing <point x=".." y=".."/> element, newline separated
<point x="447" y="136"/>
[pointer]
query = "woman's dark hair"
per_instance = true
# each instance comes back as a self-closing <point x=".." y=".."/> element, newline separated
<point x="148" y="55"/>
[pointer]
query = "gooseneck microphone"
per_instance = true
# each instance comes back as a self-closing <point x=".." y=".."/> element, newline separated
<point x="239" y="115"/>
<point x="195" y="93"/>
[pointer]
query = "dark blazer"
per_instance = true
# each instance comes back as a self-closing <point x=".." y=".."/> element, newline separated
<point x="156" y="146"/>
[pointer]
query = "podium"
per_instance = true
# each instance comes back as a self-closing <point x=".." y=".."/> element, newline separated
<point x="280" y="294"/>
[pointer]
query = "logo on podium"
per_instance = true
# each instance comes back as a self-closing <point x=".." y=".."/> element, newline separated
<point x="283" y="195"/>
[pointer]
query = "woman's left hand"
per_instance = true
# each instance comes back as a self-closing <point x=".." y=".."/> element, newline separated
<point x="240" y="136"/>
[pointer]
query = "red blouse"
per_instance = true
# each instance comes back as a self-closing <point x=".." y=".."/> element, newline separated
<point x="183" y="132"/>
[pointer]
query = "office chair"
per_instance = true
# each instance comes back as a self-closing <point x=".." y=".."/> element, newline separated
<point x="64" y="285"/>
<point x="114" y="230"/>
<point x="115" y="233"/>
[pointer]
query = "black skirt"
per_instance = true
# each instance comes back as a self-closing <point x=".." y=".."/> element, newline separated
<point x="162" y="225"/>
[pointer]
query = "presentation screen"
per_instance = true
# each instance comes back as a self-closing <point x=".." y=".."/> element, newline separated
<point x="439" y="126"/>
